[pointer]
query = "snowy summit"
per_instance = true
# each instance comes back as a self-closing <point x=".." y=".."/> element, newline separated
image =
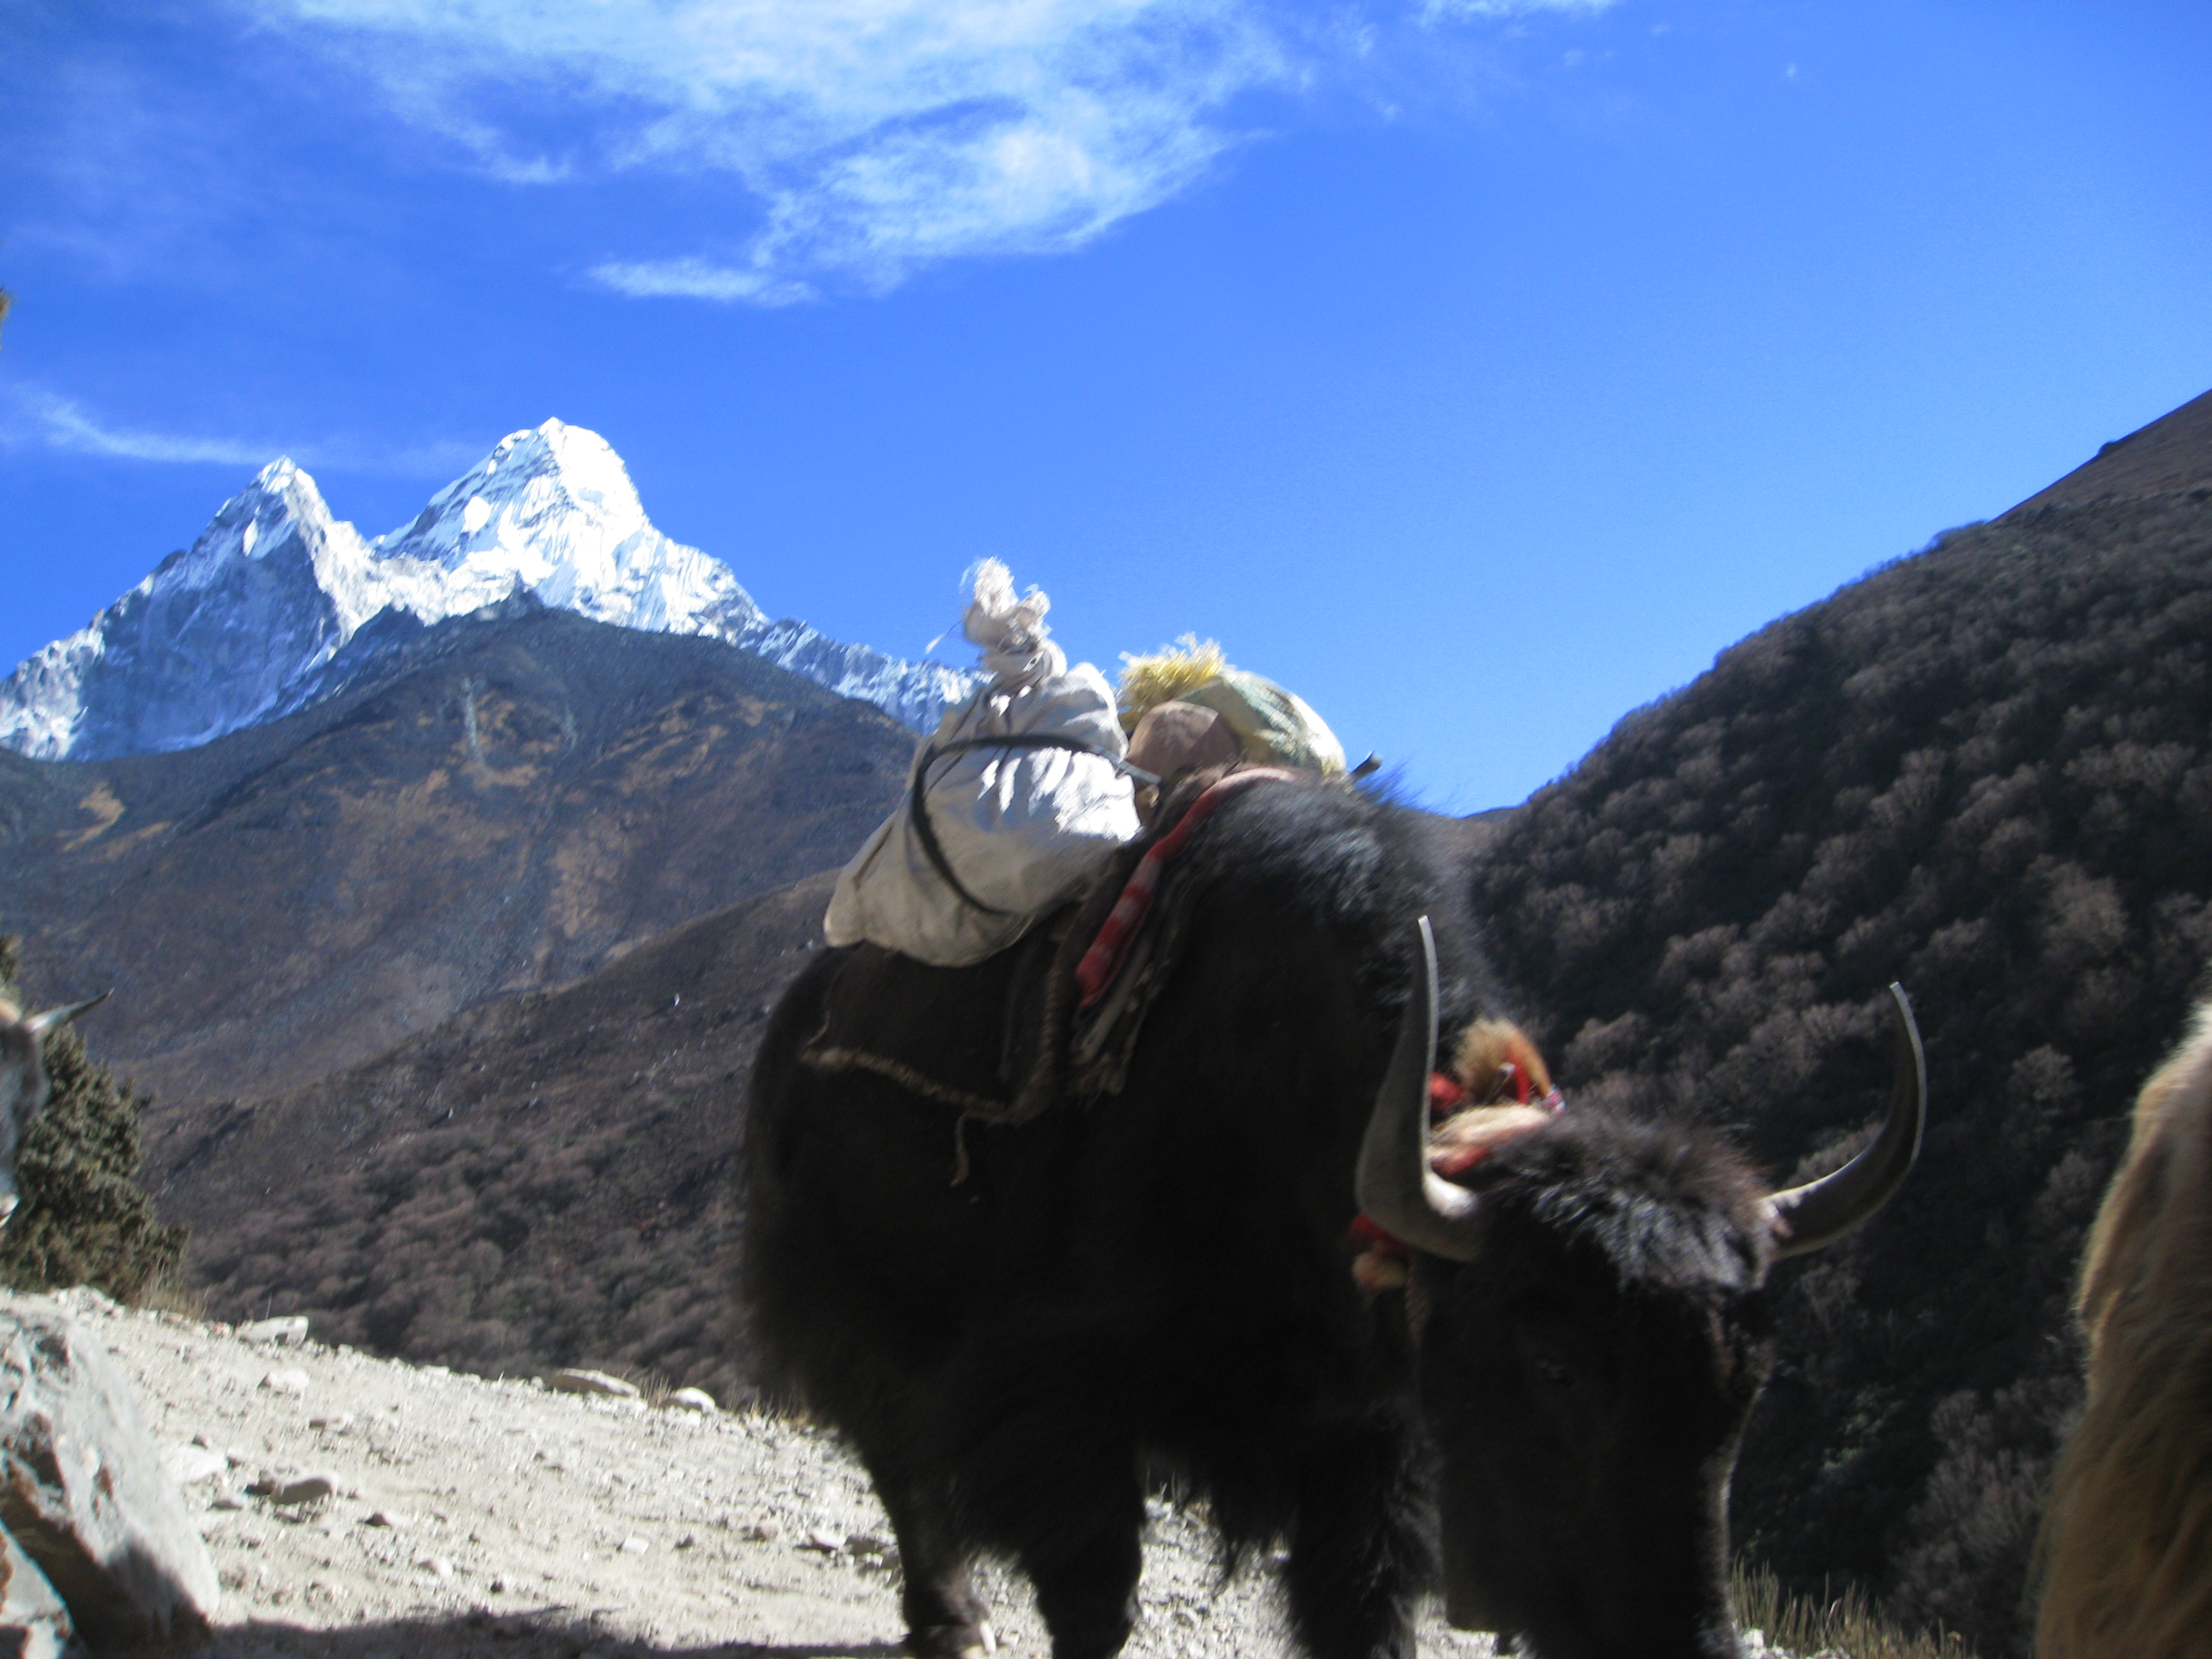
<point x="241" y="628"/>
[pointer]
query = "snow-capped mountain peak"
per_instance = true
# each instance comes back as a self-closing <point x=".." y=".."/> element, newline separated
<point x="240" y="628"/>
<point x="553" y="511"/>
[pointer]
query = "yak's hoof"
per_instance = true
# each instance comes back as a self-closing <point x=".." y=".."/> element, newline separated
<point x="951" y="1642"/>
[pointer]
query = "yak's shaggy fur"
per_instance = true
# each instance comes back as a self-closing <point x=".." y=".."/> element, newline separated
<point x="1158" y="1284"/>
<point x="2127" y="1544"/>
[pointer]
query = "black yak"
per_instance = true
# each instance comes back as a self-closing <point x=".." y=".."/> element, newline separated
<point x="2127" y="1540"/>
<point x="1156" y="1283"/>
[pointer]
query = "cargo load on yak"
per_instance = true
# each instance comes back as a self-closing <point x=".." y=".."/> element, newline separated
<point x="1011" y="806"/>
<point x="1184" y="708"/>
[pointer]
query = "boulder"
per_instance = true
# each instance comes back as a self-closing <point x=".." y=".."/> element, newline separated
<point x="33" y="1623"/>
<point x="83" y="1492"/>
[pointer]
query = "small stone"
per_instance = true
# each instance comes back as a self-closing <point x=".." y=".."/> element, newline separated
<point x="291" y="1382"/>
<point x="635" y="1546"/>
<point x="867" y="1543"/>
<point x="578" y="1381"/>
<point x="693" y="1400"/>
<point x="687" y="1541"/>
<point x="828" y="1542"/>
<point x="436" y="1565"/>
<point x="190" y="1465"/>
<point x="307" y="1489"/>
<point x="335" y="1422"/>
<point x="764" y="1531"/>
<point x="289" y="1330"/>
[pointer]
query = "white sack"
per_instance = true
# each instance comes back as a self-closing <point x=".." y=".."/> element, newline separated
<point x="1024" y="830"/>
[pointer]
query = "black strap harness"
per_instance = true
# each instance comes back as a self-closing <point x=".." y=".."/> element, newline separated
<point x="917" y="794"/>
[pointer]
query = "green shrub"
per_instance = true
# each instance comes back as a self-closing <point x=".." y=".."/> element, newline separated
<point x="84" y="1219"/>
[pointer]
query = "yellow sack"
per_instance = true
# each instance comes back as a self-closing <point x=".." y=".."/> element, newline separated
<point x="1275" y="726"/>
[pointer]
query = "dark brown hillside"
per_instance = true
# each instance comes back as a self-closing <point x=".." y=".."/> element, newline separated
<point x="1985" y="771"/>
<point x="544" y="1180"/>
<point x="510" y="802"/>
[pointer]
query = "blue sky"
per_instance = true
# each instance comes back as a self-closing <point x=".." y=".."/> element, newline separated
<point x="1477" y="370"/>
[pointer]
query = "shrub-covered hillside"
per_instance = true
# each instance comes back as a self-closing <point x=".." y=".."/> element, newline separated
<point x="1985" y="771"/>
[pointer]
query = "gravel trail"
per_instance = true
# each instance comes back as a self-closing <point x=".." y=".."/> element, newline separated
<point x="467" y="1516"/>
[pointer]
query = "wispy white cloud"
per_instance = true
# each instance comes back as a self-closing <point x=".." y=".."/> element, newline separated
<point x="698" y="279"/>
<point x="1440" y="11"/>
<point x="875" y="136"/>
<point x="870" y="137"/>
<point x="62" y="424"/>
<point x="52" y="421"/>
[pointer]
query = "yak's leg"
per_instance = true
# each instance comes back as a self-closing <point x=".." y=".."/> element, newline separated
<point x="945" y="1617"/>
<point x="1358" y="1549"/>
<point x="1086" y="1574"/>
<point x="1065" y="1493"/>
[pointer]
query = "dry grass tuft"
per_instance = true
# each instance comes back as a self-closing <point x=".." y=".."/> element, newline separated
<point x="1847" y="1626"/>
<point x="170" y="1294"/>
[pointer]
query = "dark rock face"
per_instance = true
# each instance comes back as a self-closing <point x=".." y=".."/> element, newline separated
<point x="83" y="1493"/>
<point x="510" y="802"/>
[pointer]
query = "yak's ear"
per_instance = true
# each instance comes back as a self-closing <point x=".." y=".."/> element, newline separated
<point x="40" y="1024"/>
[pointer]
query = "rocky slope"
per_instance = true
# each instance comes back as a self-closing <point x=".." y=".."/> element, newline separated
<point x="501" y="801"/>
<point x="252" y="622"/>
<point x="462" y="1515"/>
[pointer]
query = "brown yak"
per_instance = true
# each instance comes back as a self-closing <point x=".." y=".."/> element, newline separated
<point x="2127" y="1540"/>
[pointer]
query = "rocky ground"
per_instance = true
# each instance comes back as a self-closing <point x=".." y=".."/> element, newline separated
<point x="459" y="1515"/>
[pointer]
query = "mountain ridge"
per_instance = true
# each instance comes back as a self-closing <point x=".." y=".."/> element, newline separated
<point x="2172" y="452"/>
<point x="495" y="803"/>
<point x="246" y="625"/>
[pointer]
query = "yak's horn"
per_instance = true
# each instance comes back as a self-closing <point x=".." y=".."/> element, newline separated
<point x="40" y="1024"/>
<point x="1395" y="1187"/>
<point x="1823" y="1210"/>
